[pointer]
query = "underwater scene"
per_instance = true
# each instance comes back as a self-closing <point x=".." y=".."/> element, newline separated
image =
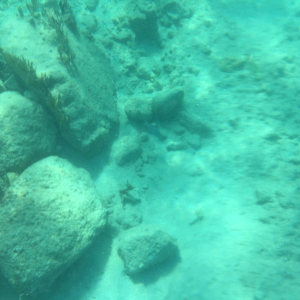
<point x="149" y="150"/>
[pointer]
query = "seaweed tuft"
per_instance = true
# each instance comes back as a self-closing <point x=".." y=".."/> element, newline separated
<point x="33" y="8"/>
<point x="25" y="73"/>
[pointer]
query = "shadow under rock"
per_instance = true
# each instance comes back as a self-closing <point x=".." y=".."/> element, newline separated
<point x="93" y="164"/>
<point x="80" y="277"/>
<point x="152" y="274"/>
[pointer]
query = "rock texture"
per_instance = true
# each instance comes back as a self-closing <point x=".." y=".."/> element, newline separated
<point x="143" y="20"/>
<point x="48" y="217"/>
<point x="76" y="80"/>
<point x="27" y="133"/>
<point x="142" y="247"/>
<point x="87" y="99"/>
<point x="139" y="109"/>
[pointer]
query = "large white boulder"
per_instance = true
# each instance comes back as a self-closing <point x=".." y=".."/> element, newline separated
<point x="48" y="217"/>
<point x="27" y="133"/>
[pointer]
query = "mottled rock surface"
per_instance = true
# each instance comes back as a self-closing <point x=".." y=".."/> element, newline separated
<point x="139" y="109"/>
<point x="144" y="246"/>
<point x="87" y="99"/>
<point x="143" y="20"/>
<point x="48" y="217"/>
<point x="27" y="133"/>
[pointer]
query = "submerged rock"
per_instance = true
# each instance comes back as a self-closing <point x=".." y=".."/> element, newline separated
<point x="27" y="133"/>
<point x="48" y="217"/>
<point x="143" y="20"/>
<point x="142" y="247"/>
<point x="139" y="109"/>
<point x="76" y="86"/>
<point x="166" y="104"/>
<point x="194" y="124"/>
<point x="87" y="100"/>
<point x="128" y="150"/>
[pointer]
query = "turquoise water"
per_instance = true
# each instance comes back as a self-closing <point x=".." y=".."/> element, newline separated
<point x="185" y="116"/>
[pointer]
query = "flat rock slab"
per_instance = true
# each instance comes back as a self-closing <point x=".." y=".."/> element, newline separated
<point x="48" y="217"/>
<point x="144" y="246"/>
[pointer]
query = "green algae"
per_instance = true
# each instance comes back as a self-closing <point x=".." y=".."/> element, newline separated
<point x="25" y="73"/>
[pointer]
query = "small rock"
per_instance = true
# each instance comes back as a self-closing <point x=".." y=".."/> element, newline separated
<point x="167" y="103"/>
<point x="145" y="246"/>
<point x="128" y="150"/>
<point x="139" y="109"/>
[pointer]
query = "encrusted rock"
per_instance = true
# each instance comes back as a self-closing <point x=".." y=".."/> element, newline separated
<point x="87" y="101"/>
<point x="144" y="246"/>
<point x="139" y="109"/>
<point x="143" y="20"/>
<point x="76" y="86"/>
<point x="26" y="132"/>
<point x="48" y="217"/>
